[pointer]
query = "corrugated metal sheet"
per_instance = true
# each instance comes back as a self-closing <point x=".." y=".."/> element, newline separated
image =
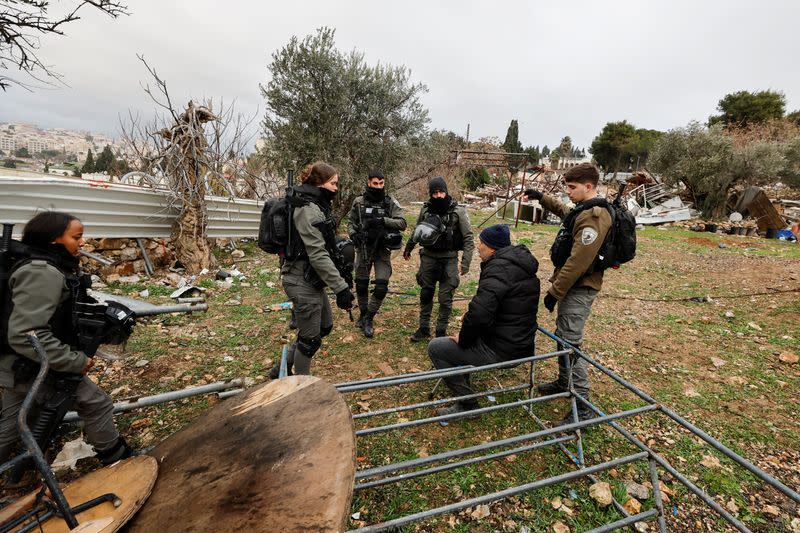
<point x="118" y="211"/>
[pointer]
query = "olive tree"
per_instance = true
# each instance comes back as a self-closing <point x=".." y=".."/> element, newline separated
<point x="322" y="103"/>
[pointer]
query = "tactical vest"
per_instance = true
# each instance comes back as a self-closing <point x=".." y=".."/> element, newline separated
<point x="63" y="323"/>
<point x="327" y="228"/>
<point x="451" y="238"/>
<point x="562" y="246"/>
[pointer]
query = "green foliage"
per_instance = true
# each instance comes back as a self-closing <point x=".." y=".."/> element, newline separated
<point x="105" y="161"/>
<point x="709" y="163"/>
<point x="22" y="152"/>
<point x="512" y="145"/>
<point x="9" y="163"/>
<point x="47" y="167"/>
<point x="76" y="172"/>
<point x="533" y="154"/>
<point x="325" y="104"/>
<point x="621" y="144"/>
<point x="476" y="177"/>
<point x="565" y="147"/>
<point x="88" y="165"/>
<point x="794" y="117"/>
<point x="743" y="108"/>
<point x="545" y="151"/>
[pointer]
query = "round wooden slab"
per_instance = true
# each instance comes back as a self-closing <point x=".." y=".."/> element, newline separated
<point x="131" y="480"/>
<point x="279" y="457"/>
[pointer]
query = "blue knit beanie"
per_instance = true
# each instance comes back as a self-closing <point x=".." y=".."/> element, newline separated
<point x="497" y="236"/>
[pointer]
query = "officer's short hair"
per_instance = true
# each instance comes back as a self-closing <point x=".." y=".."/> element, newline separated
<point x="583" y="173"/>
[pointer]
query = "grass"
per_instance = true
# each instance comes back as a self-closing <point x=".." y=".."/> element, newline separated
<point x="662" y="347"/>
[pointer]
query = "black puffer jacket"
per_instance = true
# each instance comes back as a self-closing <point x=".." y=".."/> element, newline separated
<point x="503" y="312"/>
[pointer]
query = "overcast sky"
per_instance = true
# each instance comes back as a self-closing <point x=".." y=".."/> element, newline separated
<point x="560" y="68"/>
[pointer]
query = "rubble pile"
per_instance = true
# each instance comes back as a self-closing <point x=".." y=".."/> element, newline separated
<point x="126" y="256"/>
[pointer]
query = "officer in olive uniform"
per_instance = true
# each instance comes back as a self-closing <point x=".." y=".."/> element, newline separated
<point x="374" y="226"/>
<point x="42" y="294"/>
<point x="575" y="283"/>
<point x="311" y="265"/>
<point x="443" y="229"/>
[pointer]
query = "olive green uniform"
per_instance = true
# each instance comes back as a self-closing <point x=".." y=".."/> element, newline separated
<point x="304" y="280"/>
<point x="441" y="266"/>
<point x="574" y="286"/>
<point x="371" y="255"/>
<point x="38" y="290"/>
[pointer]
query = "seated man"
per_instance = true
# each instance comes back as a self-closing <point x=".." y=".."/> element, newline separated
<point x="500" y="323"/>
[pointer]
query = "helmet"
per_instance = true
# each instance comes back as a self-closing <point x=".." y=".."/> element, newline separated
<point x="346" y="249"/>
<point x="428" y="231"/>
<point x="393" y="240"/>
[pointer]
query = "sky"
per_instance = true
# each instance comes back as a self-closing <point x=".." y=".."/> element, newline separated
<point x="559" y="68"/>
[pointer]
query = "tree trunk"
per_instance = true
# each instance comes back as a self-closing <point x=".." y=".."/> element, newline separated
<point x="192" y="249"/>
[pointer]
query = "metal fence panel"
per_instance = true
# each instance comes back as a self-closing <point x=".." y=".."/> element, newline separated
<point x="116" y="210"/>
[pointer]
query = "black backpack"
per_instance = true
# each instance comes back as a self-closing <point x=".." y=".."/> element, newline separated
<point x="619" y="245"/>
<point x="274" y="228"/>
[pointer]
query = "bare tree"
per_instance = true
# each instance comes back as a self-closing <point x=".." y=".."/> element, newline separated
<point x="191" y="153"/>
<point x="24" y="22"/>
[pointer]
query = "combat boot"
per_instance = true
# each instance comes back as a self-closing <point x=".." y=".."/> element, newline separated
<point x="552" y="387"/>
<point x="441" y="332"/>
<point x="367" y="326"/>
<point x="420" y="335"/>
<point x="584" y="413"/>
<point x="360" y="321"/>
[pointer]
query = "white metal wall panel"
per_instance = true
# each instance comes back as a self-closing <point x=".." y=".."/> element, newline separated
<point x="115" y="210"/>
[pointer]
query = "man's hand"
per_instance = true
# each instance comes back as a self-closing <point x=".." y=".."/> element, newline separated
<point x="89" y="364"/>
<point x="344" y="299"/>
<point x="550" y="302"/>
<point x="454" y="338"/>
<point x="533" y="194"/>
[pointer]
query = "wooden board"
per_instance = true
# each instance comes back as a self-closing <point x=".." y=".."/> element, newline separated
<point x="131" y="480"/>
<point x="280" y="457"/>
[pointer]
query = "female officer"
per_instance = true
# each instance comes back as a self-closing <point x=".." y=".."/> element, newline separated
<point x="42" y="291"/>
<point x="311" y="265"/>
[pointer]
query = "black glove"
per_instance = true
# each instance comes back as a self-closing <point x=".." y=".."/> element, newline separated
<point x="533" y="194"/>
<point x="344" y="299"/>
<point x="550" y="302"/>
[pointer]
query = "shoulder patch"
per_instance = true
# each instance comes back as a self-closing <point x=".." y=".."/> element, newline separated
<point x="588" y="236"/>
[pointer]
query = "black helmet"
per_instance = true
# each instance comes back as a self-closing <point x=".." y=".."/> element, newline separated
<point x="346" y="249"/>
<point x="393" y="240"/>
<point x="428" y="231"/>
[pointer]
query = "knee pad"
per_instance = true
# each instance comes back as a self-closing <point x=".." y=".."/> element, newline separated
<point x="325" y="331"/>
<point x="309" y="346"/>
<point x="426" y="295"/>
<point x="381" y="289"/>
<point x="362" y="286"/>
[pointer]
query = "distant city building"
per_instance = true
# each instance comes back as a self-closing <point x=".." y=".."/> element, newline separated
<point x="68" y="142"/>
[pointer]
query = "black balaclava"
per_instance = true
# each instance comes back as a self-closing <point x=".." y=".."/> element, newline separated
<point x="438" y="205"/>
<point x="374" y="195"/>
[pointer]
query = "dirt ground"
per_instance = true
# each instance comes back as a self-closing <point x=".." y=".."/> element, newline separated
<point x="707" y="324"/>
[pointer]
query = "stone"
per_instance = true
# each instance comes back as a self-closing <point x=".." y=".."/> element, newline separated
<point x="237" y="254"/>
<point x="788" y="357"/>
<point x="601" y="493"/>
<point x="560" y="527"/>
<point x="141" y="363"/>
<point x="632" y="506"/>
<point x="637" y="490"/>
<point x="130" y="279"/>
<point x="112" y="278"/>
<point x="129" y="254"/>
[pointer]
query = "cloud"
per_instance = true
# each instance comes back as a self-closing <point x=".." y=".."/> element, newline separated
<point x="559" y="68"/>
